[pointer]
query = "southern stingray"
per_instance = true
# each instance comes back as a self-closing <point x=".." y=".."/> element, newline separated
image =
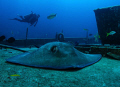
<point x="56" y="55"/>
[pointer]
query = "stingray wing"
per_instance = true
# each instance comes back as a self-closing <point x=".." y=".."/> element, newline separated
<point x="56" y="55"/>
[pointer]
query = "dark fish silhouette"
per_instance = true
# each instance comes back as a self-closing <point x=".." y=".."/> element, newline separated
<point x="90" y="34"/>
<point x="51" y="16"/>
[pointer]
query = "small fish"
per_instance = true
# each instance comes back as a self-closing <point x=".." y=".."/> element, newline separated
<point x="51" y="16"/>
<point x="85" y="29"/>
<point x="15" y="75"/>
<point x="111" y="33"/>
<point x="97" y="36"/>
<point x="90" y="34"/>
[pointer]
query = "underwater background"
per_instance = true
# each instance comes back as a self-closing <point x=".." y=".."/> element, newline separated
<point x="73" y="16"/>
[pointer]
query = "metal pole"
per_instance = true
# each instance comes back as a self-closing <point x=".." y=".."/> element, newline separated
<point x="26" y="36"/>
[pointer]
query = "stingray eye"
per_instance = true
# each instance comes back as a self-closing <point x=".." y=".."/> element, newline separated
<point x="54" y="49"/>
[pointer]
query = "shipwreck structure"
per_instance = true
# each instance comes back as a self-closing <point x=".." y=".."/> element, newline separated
<point x="108" y="19"/>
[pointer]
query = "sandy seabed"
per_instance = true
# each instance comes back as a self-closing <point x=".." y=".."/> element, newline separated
<point x="105" y="73"/>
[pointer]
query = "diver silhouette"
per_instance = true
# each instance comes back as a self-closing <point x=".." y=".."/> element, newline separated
<point x="30" y="18"/>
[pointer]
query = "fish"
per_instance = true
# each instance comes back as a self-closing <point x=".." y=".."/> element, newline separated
<point x="90" y="34"/>
<point x="55" y="55"/>
<point x="97" y="36"/>
<point x="15" y="75"/>
<point x="51" y="16"/>
<point x="111" y="33"/>
<point x="85" y="29"/>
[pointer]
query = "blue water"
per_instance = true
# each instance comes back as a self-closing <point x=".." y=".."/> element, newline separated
<point x="72" y="17"/>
